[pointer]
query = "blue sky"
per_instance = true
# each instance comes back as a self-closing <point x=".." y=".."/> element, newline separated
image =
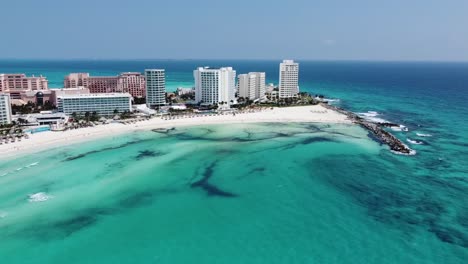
<point x="237" y="29"/>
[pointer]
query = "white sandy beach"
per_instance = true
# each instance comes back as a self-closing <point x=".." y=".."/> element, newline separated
<point x="52" y="139"/>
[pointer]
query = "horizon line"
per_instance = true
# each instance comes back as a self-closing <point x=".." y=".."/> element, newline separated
<point x="231" y="59"/>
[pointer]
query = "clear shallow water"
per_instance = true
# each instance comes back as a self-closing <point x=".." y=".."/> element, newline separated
<point x="255" y="193"/>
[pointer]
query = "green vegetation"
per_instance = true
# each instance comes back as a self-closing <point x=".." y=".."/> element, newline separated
<point x="31" y="107"/>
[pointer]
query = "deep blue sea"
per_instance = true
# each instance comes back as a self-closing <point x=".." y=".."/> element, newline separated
<point x="266" y="193"/>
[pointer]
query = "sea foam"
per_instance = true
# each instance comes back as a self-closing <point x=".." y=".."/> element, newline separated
<point x="415" y="142"/>
<point x="39" y="197"/>
<point x="371" y="116"/>
<point x="423" y="135"/>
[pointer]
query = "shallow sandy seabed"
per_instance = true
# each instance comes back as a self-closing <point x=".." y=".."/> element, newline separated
<point x="51" y="139"/>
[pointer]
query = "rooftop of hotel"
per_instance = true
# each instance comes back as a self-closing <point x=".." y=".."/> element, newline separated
<point x="79" y="88"/>
<point x="207" y="68"/>
<point x="95" y="95"/>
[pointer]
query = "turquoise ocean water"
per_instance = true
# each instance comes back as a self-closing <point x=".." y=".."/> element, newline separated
<point x="257" y="193"/>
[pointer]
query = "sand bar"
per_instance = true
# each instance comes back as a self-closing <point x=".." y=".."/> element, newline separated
<point x="52" y="139"/>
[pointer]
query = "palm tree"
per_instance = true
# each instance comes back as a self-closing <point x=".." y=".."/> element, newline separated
<point x="87" y="116"/>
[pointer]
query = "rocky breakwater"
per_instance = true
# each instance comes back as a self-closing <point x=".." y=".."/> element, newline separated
<point x="396" y="146"/>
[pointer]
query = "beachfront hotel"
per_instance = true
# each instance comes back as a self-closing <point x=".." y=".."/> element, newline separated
<point x="5" y="109"/>
<point x="288" y="79"/>
<point x="18" y="83"/>
<point x="75" y="80"/>
<point x="103" y="104"/>
<point x="155" y="87"/>
<point x="214" y="86"/>
<point x="251" y="85"/>
<point x="67" y="91"/>
<point x="128" y="82"/>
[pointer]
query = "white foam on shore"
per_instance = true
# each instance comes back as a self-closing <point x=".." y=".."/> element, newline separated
<point x="412" y="153"/>
<point x="32" y="164"/>
<point x="39" y="197"/>
<point x="331" y="100"/>
<point x="423" y="135"/>
<point x="415" y="142"/>
<point x="371" y="116"/>
<point x="399" y="128"/>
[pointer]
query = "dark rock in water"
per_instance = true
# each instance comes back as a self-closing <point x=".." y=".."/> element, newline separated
<point x="210" y="189"/>
<point x="315" y="140"/>
<point x="136" y="199"/>
<point x="163" y="130"/>
<point x="450" y="235"/>
<point x="148" y="154"/>
<point x="75" y="224"/>
<point x="376" y="128"/>
<point x="79" y="156"/>
<point x="82" y="220"/>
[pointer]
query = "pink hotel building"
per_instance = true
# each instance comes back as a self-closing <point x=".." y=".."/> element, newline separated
<point x="23" y="89"/>
<point x="17" y="83"/>
<point x="133" y="83"/>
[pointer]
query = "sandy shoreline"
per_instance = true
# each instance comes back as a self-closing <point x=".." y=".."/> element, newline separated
<point x="48" y="140"/>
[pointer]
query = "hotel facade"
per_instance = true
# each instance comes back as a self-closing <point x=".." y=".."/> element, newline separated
<point x="102" y="104"/>
<point x="288" y="79"/>
<point x="155" y="87"/>
<point x="251" y="85"/>
<point x="17" y="84"/>
<point x="128" y="82"/>
<point x="214" y="86"/>
<point x="5" y="109"/>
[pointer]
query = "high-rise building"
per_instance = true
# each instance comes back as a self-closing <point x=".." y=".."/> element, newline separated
<point x="215" y="86"/>
<point x="67" y="91"/>
<point x="5" y="109"/>
<point x="129" y="82"/>
<point x="103" y="84"/>
<point x="155" y="87"/>
<point x="75" y="80"/>
<point x="288" y="79"/>
<point x="103" y="104"/>
<point x="251" y="85"/>
<point x="133" y="83"/>
<point x="18" y="83"/>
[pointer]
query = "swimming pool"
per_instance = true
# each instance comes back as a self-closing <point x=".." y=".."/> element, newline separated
<point x="37" y="129"/>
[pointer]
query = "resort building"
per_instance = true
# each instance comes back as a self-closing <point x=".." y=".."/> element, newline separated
<point x="128" y="82"/>
<point x="288" y="79"/>
<point x="133" y="83"/>
<point x="215" y="86"/>
<point x="103" y="84"/>
<point x="251" y="85"/>
<point x="45" y="118"/>
<point x="67" y="91"/>
<point x="5" y="109"/>
<point x="103" y="104"/>
<point x="155" y="87"/>
<point x="181" y="91"/>
<point x="18" y="83"/>
<point x="39" y="98"/>
<point x="75" y="80"/>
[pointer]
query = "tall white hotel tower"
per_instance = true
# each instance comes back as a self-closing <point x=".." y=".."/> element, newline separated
<point x="288" y="79"/>
<point x="213" y="86"/>
<point x="252" y="85"/>
<point x="5" y="109"/>
<point x="155" y="87"/>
